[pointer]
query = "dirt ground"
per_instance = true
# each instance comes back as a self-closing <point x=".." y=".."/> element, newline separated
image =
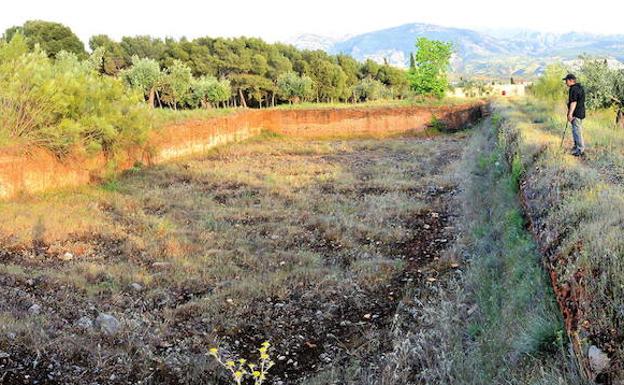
<point x="311" y="245"/>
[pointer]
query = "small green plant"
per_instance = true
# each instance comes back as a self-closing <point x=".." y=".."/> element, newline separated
<point x="437" y="124"/>
<point x="240" y="369"/>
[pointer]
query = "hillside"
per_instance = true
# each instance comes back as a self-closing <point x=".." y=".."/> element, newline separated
<point x="503" y="53"/>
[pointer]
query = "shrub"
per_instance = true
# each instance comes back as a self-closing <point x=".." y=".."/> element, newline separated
<point x="65" y="103"/>
<point x="549" y="86"/>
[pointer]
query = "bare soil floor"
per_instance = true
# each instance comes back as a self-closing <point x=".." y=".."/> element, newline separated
<point x="308" y="244"/>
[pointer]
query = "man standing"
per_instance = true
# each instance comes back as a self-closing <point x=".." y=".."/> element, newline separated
<point x="576" y="113"/>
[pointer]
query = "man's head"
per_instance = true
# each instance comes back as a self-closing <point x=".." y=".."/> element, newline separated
<point x="570" y="80"/>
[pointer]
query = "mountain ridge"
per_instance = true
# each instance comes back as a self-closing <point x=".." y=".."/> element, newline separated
<point x="523" y="53"/>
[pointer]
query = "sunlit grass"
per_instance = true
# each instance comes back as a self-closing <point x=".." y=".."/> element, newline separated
<point x="578" y="207"/>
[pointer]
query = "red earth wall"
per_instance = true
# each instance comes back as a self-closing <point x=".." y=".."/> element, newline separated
<point x="41" y="171"/>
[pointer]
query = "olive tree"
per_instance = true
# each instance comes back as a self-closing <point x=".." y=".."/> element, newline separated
<point x="604" y="86"/>
<point x="292" y="87"/>
<point x="208" y="91"/>
<point x="176" y="84"/>
<point x="144" y="75"/>
<point x="369" y="89"/>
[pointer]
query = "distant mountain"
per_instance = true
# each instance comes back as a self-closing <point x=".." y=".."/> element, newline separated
<point x="313" y="42"/>
<point x="500" y="53"/>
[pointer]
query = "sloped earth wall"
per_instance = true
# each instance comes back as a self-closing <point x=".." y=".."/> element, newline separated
<point x="41" y="171"/>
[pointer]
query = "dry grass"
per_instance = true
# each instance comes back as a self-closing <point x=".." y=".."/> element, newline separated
<point x="304" y="243"/>
<point x="496" y="322"/>
<point x="577" y="211"/>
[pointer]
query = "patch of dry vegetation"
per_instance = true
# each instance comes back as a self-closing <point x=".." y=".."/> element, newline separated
<point x="308" y="244"/>
<point x="576" y="207"/>
<point x="496" y="320"/>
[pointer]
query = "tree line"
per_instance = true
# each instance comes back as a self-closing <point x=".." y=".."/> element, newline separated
<point x="53" y="93"/>
<point x="244" y="71"/>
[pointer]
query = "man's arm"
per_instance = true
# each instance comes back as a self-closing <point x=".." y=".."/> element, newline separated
<point x="571" y="111"/>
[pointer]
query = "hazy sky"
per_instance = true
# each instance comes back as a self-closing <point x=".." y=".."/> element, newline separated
<point x="281" y="20"/>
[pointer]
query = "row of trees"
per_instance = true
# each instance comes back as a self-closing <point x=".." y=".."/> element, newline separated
<point x="243" y="71"/>
<point x="604" y="86"/>
<point x="253" y="72"/>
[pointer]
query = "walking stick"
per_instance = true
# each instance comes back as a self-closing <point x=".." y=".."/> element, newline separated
<point x="564" y="134"/>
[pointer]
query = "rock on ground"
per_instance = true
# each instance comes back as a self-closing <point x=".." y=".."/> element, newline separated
<point x="107" y="323"/>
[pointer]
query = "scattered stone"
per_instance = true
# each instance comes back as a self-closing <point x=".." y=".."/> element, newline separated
<point x="11" y="336"/>
<point x="4" y="355"/>
<point x="281" y="358"/>
<point x="229" y="300"/>
<point x="66" y="257"/>
<point x="427" y="227"/>
<point x="34" y="310"/>
<point x="136" y="287"/>
<point x="598" y="360"/>
<point x="107" y="324"/>
<point x="161" y="265"/>
<point x="85" y="323"/>
<point x="454" y="265"/>
<point x="431" y="279"/>
<point x="367" y="316"/>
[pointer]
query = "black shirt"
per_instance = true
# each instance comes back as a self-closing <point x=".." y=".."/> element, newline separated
<point x="577" y="94"/>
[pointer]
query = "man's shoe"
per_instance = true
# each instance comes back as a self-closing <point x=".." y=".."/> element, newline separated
<point x="578" y="153"/>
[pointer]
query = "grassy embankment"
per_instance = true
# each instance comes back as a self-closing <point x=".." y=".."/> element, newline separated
<point x="577" y="210"/>
<point x="498" y="321"/>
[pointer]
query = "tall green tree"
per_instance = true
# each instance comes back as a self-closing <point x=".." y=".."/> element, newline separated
<point x="113" y="56"/>
<point x="395" y="79"/>
<point x="143" y="47"/>
<point x="369" y="69"/>
<point x="432" y="60"/>
<point x="351" y="68"/>
<point x="51" y="37"/>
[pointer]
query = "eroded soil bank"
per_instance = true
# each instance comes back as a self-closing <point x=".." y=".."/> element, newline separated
<point x="40" y="171"/>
